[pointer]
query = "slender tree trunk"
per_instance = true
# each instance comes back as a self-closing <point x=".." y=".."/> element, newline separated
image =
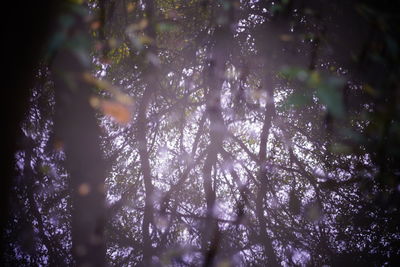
<point x="77" y="127"/>
<point x="215" y="77"/>
<point x="142" y="124"/>
<point x="147" y="178"/>
<point x="265" y="239"/>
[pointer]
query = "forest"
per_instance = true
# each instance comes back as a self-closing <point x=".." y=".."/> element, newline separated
<point x="201" y="133"/>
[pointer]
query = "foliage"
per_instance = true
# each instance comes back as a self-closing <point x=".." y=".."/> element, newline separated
<point x="237" y="133"/>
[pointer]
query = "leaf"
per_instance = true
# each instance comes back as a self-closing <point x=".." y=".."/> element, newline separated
<point x="58" y="145"/>
<point x="144" y="39"/>
<point x="329" y="94"/>
<point x="286" y="37"/>
<point x="165" y="27"/>
<point x="314" y="79"/>
<point x="339" y="148"/>
<point x="141" y="25"/>
<point x="118" y="111"/>
<point x="298" y="99"/>
<point x="130" y="7"/>
<point x="95" y="25"/>
<point x="107" y="86"/>
<point x="370" y="90"/>
<point x="101" y="84"/>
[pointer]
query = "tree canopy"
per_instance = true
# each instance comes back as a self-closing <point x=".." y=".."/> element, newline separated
<point x="206" y="133"/>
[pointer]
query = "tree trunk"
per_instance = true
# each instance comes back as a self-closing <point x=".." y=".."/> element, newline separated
<point x="265" y="239"/>
<point x="78" y="130"/>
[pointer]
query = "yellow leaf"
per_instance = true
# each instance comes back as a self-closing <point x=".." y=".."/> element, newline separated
<point x="315" y="79"/>
<point x="370" y="90"/>
<point x="286" y="37"/>
<point x="130" y="7"/>
<point x="101" y="84"/>
<point x="143" y="24"/>
<point x="113" y="43"/>
<point x="144" y="39"/>
<point x="78" y="2"/>
<point x="94" y="101"/>
<point x="105" y="85"/>
<point x="123" y="98"/>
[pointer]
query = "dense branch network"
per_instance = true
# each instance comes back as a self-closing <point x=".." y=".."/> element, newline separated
<point x="227" y="139"/>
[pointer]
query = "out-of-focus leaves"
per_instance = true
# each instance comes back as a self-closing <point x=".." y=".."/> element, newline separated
<point x="60" y="36"/>
<point x="58" y="144"/>
<point x="370" y="90"/>
<point x="130" y="7"/>
<point x="340" y="148"/>
<point x="101" y="84"/>
<point x="78" y="2"/>
<point x="328" y="91"/>
<point x="118" y="51"/>
<point x="95" y="25"/>
<point x="120" y="112"/>
<point x="290" y="73"/>
<point x="107" y="86"/>
<point x="118" y="108"/>
<point x="326" y="88"/>
<point x="45" y="169"/>
<point x="165" y="27"/>
<point x="224" y="263"/>
<point x="298" y="99"/>
<point x="144" y="39"/>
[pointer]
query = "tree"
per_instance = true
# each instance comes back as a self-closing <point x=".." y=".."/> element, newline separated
<point x="224" y="132"/>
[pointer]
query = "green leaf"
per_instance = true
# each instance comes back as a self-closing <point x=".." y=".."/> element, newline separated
<point x="330" y="95"/>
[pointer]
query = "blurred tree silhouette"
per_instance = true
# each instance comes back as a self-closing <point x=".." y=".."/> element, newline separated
<point x="214" y="133"/>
